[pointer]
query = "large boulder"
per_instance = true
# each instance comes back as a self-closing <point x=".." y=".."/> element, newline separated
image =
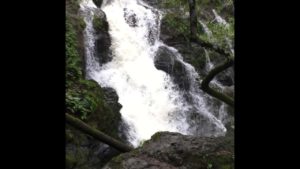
<point x="167" y="61"/>
<point x="166" y="150"/>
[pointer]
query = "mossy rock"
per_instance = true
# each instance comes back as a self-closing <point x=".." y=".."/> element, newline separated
<point x="70" y="161"/>
<point x="100" y="24"/>
<point x="156" y="136"/>
<point x="174" y="150"/>
<point x="72" y="6"/>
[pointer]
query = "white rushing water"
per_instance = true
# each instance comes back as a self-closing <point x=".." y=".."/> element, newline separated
<point x="151" y="102"/>
<point x="206" y="29"/>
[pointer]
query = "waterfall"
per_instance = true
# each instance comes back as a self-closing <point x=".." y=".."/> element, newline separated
<point x="150" y="99"/>
<point x="87" y="9"/>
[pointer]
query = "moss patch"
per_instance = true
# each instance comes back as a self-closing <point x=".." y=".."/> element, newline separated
<point x="100" y="24"/>
<point x="177" y="25"/>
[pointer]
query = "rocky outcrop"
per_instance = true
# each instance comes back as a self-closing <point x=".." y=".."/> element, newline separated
<point x="168" y="150"/>
<point x="103" y="40"/>
<point x="83" y="151"/>
<point x="166" y="61"/>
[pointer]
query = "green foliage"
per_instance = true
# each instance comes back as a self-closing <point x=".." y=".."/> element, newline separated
<point x="72" y="6"/>
<point x="180" y="25"/>
<point x="177" y="25"/>
<point x="83" y="97"/>
<point x="73" y="61"/>
<point x="174" y="4"/>
<point x="219" y="34"/>
<point x="78" y="105"/>
<point x="80" y="100"/>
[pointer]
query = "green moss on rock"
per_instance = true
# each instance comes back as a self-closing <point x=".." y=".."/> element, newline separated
<point x="100" y="24"/>
<point x="70" y="161"/>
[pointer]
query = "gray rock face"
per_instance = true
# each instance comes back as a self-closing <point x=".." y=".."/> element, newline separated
<point x="168" y="150"/>
<point x="166" y="61"/>
<point x="111" y="97"/>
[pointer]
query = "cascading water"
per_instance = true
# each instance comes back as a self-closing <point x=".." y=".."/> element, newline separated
<point x="206" y="29"/>
<point x="87" y="9"/>
<point x="150" y="99"/>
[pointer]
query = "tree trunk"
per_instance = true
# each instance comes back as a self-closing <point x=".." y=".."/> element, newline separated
<point x="229" y="62"/>
<point x="80" y="125"/>
<point x="193" y="20"/>
<point x="205" y="83"/>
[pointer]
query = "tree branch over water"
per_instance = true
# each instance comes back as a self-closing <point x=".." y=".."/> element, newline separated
<point x="205" y="83"/>
<point x="85" y="128"/>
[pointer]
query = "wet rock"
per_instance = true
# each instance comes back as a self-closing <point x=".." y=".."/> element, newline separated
<point x="98" y="3"/>
<point x="83" y="151"/>
<point x="111" y="97"/>
<point x="229" y="90"/>
<point x="226" y="77"/>
<point x="166" y="61"/>
<point x="176" y="151"/>
<point x="103" y="40"/>
<point x="130" y="17"/>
